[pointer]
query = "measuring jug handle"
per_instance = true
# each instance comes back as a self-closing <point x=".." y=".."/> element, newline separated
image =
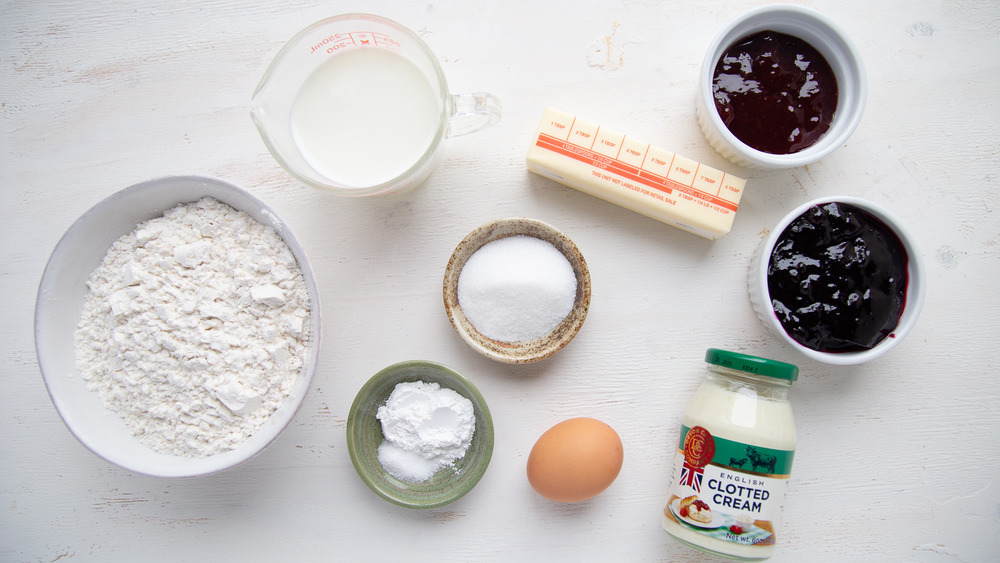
<point x="472" y="112"/>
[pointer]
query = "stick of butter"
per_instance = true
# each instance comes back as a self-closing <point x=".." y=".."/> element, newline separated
<point x="635" y="175"/>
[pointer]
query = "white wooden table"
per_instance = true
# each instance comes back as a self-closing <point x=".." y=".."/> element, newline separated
<point x="897" y="459"/>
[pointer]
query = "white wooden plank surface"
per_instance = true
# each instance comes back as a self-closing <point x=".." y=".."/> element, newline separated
<point x="897" y="459"/>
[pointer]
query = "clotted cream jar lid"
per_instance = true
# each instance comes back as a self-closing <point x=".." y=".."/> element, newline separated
<point x="752" y="364"/>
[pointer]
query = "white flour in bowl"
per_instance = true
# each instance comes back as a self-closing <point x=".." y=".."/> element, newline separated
<point x="195" y="328"/>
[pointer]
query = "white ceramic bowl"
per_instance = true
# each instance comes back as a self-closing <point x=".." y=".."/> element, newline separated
<point x="824" y="35"/>
<point x="58" y="309"/>
<point x="761" y="300"/>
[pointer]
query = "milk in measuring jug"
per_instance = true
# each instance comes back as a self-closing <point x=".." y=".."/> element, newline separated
<point x="365" y="116"/>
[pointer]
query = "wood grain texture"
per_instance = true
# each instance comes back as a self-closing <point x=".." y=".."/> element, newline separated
<point x="897" y="459"/>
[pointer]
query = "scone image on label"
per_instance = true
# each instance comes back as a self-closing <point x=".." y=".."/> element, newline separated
<point x="695" y="509"/>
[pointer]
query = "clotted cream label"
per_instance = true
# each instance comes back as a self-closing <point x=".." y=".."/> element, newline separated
<point x="726" y="489"/>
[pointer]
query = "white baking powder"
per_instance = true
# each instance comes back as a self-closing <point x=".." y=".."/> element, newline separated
<point x="426" y="428"/>
<point x="195" y="328"/>
<point x="516" y="288"/>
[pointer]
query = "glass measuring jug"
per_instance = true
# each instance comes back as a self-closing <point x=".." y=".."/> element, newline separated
<point x="358" y="105"/>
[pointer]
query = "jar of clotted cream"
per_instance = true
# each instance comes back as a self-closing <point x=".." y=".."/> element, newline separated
<point x="734" y="458"/>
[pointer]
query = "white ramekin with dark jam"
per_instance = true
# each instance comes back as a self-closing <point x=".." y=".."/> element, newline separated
<point x="781" y="86"/>
<point x="839" y="279"/>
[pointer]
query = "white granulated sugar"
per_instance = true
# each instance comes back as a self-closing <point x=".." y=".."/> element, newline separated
<point x="426" y="428"/>
<point x="195" y="328"/>
<point x="516" y="288"/>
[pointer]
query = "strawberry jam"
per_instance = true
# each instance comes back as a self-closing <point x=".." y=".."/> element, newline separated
<point x="837" y="279"/>
<point x="775" y="92"/>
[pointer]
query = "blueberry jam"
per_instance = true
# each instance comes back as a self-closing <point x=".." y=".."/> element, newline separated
<point x="775" y="92"/>
<point x="837" y="279"/>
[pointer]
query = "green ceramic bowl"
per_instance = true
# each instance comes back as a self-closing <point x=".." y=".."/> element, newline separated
<point x="364" y="435"/>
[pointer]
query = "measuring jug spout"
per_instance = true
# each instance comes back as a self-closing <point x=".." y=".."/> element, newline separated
<point x="469" y="113"/>
<point x="260" y="102"/>
<point x="261" y="118"/>
<point x="257" y="114"/>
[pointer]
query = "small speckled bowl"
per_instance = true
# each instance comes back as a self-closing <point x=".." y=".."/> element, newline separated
<point x="760" y="297"/>
<point x="525" y="351"/>
<point x="364" y="436"/>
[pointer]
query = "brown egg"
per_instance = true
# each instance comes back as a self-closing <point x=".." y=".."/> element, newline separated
<point x="575" y="460"/>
